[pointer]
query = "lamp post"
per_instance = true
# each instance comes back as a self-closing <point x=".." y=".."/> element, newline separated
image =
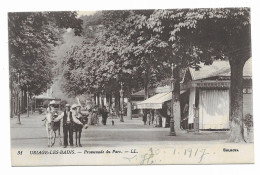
<point x="32" y="100"/>
<point x="172" y="130"/>
<point x="121" y="102"/>
<point x="18" y="113"/>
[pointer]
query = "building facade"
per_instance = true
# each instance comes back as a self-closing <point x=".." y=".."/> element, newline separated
<point x="207" y="90"/>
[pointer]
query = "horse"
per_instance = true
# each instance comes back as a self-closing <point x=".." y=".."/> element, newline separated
<point x="51" y="128"/>
<point x="78" y="129"/>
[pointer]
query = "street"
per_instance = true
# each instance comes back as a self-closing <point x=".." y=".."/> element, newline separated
<point x="31" y="133"/>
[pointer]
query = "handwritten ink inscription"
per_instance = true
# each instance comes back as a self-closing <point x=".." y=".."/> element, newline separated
<point x="153" y="156"/>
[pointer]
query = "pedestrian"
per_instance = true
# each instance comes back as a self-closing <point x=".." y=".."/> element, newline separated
<point x="94" y="116"/>
<point x="149" y="116"/>
<point x="144" y="116"/>
<point x="68" y="117"/>
<point x="158" y="119"/>
<point x="77" y="113"/>
<point x="104" y="113"/>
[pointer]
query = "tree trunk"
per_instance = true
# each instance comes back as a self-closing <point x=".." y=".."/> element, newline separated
<point x="107" y="101"/>
<point x="117" y="104"/>
<point x="12" y="106"/>
<point x="22" y="102"/>
<point x="146" y="90"/>
<point x="176" y="101"/>
<point x="129" y="101"/>
<point x="11" y="99"/>
<point x="15" y="104"/>
<point x="95" y="99"/>
<point x="121" y="108"/>
<point x="102" y="101"/>
<point x="98" y="100"/>
<point x="110" y="101"/>
<point x="19" y="107"/>
<point x="146" y="84"/>
<point x="236" y="100"/>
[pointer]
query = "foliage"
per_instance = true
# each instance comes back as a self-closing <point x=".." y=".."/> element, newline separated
<point x="113" y="55"/>
<point x="140" y="46"/>
<point x="31" y="38"/>
<point x="127" y="43"/>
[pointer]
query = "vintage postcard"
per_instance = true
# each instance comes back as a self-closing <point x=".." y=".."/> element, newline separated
<point x="131" y="87"/>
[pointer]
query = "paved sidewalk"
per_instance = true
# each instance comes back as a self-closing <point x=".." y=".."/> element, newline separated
<point x="31" y="133"/>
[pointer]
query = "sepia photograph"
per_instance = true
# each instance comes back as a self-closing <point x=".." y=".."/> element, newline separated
<point x="131" y="87"/>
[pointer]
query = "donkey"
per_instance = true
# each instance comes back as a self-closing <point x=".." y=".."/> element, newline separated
<point x="51" y="128"/>
<point x="78" y="129"/>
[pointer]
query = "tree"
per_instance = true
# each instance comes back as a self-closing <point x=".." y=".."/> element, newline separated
<point x="155" y="40"/>
<point x="97" y="60"/>
<point x="225" y="33"/>
<point x="136" y="44"/>
<point x="119" y="51"/>
<point x="32" y="36"/>
<point x="211" y="34"/>
<point x="141" y="64"/>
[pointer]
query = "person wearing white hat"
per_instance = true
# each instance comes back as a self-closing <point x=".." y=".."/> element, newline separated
<point x="75" y="108"/>
<point x="76" y="112"/>
<point x="68" y="119"/>
<point x="51" y="108"/>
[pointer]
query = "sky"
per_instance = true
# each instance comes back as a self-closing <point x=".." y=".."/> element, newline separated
<point x="83" y="13"/>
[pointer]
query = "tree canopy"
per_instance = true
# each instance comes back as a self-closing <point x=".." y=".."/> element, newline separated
<point x="140" y="46"/>
<point x="32" y="36"/>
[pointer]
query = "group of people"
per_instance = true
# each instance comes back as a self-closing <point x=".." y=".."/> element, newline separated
<point x="70" y="116"/>
<point x="157" y="118"/>
<point x="95" y="112"/>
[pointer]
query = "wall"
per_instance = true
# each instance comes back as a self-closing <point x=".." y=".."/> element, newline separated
<point x="247" y="104"/>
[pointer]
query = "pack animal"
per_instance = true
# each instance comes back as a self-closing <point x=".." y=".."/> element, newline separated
<point x="78" y="129"/>
<point x="51" y="128"/>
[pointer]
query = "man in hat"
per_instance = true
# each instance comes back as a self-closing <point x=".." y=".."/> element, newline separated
<point x="51" y="110"/>
<point x="68" y="119"/>
<point x="75" y="111"/>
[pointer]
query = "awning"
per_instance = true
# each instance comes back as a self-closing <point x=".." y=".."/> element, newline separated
<point x="156" y="101"/>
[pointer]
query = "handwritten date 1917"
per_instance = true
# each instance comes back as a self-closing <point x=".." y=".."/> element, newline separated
<point x="191" y="153"/>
